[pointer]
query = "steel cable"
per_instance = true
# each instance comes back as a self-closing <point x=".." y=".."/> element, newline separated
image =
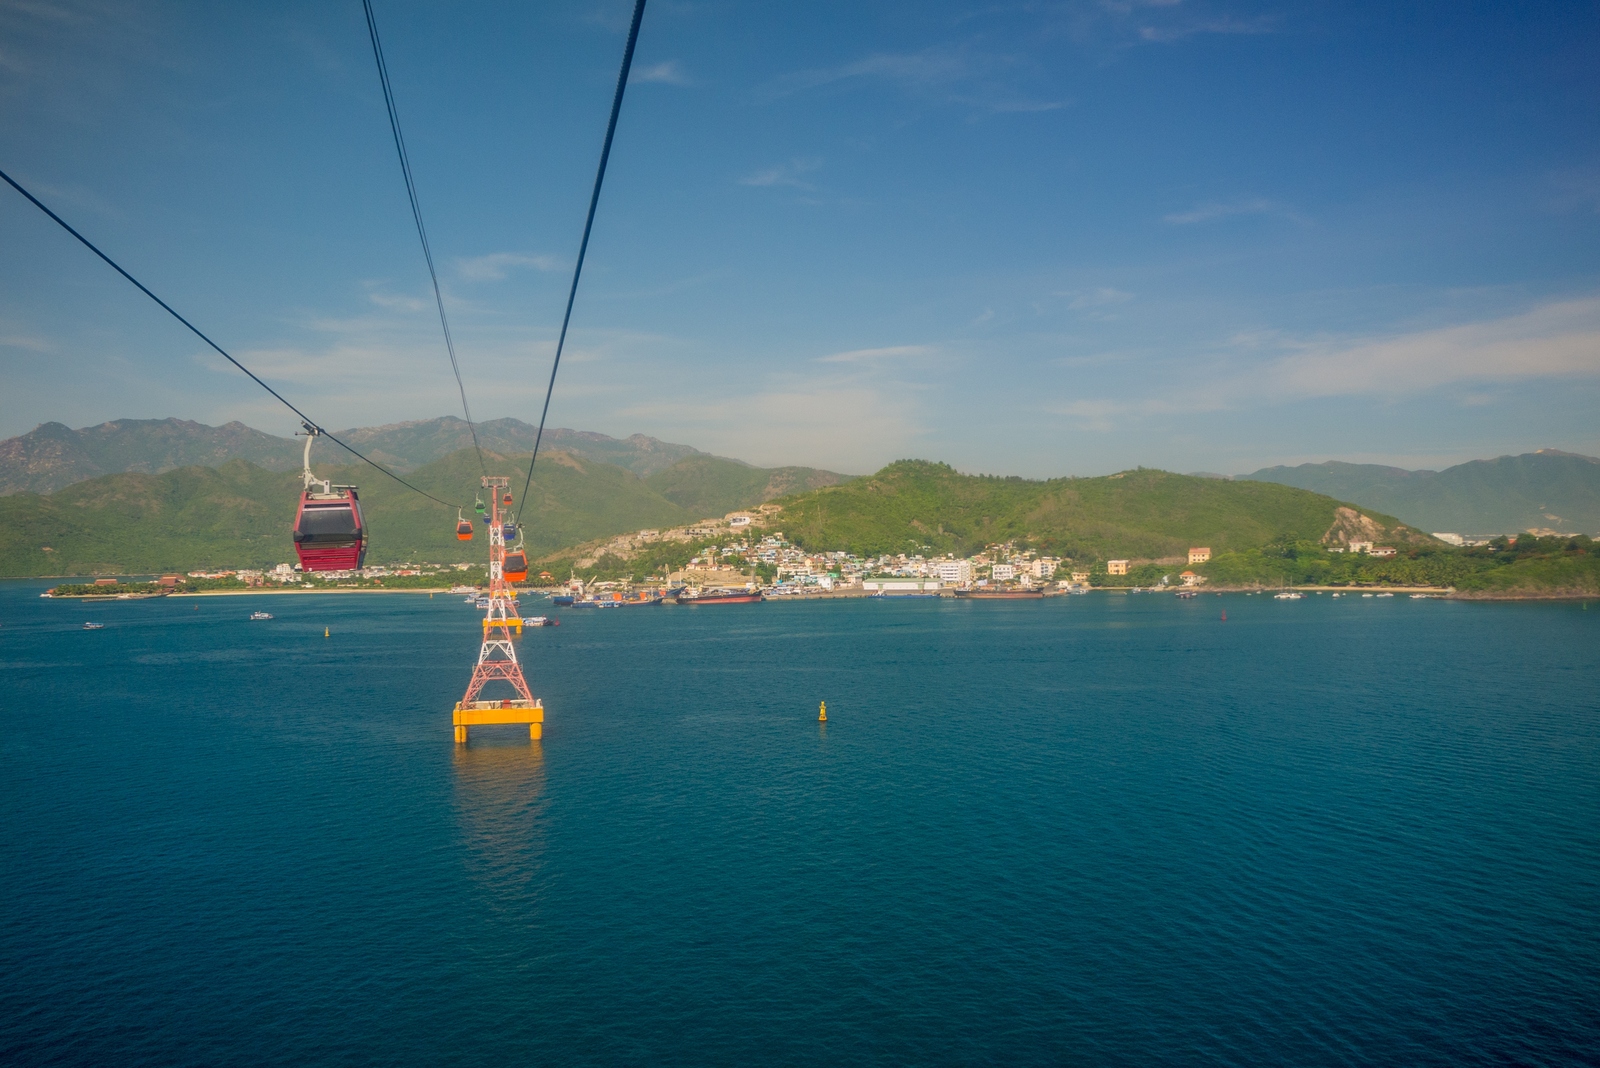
<point x="304" y="418"/>
<point x="594" y="199"/>
<point x="416" y="214"/>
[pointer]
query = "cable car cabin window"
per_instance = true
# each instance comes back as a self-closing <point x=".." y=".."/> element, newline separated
<point x="331" y="523"/>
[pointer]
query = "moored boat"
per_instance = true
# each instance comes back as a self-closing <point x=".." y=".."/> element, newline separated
<point x="720" y="597"/>
<point x="260" y="615"/>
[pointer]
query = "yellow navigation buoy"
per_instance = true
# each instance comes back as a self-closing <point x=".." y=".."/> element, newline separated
<point x="822" y="713"/>
<point x="324" y="632"/>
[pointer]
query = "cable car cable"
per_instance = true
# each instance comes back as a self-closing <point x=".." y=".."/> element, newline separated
<point x="416" y="214"/>
<point x="594" y="199"/>
<point x="304" y="418"/>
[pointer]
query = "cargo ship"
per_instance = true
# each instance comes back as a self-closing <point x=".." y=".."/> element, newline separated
<point x="1013" y="594"/>
<point x="720" y="597"/>
<point x="613" y="599"/>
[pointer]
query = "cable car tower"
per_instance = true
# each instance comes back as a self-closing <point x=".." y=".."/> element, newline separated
<point x="497" y="659"/>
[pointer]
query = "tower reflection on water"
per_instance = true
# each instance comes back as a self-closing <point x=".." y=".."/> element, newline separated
<point x="499" y="801"/>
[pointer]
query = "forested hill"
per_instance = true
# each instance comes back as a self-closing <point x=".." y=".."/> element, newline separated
<point x="915" y="506"/>
<point x="1544" y="490"/>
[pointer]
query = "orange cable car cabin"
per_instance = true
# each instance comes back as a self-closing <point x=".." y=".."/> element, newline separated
<point x="515" y="566"/>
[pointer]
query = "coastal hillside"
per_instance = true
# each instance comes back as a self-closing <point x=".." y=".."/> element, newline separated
<point x="1546" y="490"/>
<point x="713" y="486"/>
<point x="915" y="506"/>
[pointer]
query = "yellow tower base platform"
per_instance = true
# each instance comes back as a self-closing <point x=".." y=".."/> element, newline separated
<point x="486" y="713"/>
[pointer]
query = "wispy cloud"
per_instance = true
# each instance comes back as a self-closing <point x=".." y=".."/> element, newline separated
<point x="1554" y="341"/>
<point x="1253" y="206"/>
<point x="493" y="267"/>
<point x="395" y="302"/>
<point x="893" y="352"/>
<point x="668" y="73"/>
<point x="956" y="75"/>
<point x="1577" y="189"/>
<point x="1178" y="30"/>
<point x="784" y="174"/>
<point x="1098" y="297"/>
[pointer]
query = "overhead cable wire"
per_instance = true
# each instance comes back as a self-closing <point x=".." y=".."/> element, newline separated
<point x="309" y="423"/>
<point x="416" y="214"/>
<point x="577" y="271"/>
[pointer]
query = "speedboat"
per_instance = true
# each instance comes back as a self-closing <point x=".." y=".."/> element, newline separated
<point x="260" y="615"/>
<point x="94" y="626"/>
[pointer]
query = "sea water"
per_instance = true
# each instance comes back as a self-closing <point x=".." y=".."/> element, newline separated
<point x="1113" y="829"/>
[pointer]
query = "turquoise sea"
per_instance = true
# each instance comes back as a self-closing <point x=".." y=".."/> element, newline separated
<point x="1096" y="830"/>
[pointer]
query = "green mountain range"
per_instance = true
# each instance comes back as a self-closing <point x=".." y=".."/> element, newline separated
<point x="1544" y="490"/>
<point x="239" y="514"/>
<point x="53" y="456"/>
<point x="914" y="506"/>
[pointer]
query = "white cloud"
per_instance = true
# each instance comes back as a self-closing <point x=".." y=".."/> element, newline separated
<point x="1255" y="206"/>
<point x="784" y="174"/>
<point x="893" y="352"/>
<point x="668" y="73"/>
<point x="493" y="267"/>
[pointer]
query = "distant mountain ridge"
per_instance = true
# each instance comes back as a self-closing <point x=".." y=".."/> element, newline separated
<point x="53" y="456"/>
<point x="1544" y="490"/>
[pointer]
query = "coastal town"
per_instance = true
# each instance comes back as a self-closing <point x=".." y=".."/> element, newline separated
<point x="715" y="558"/>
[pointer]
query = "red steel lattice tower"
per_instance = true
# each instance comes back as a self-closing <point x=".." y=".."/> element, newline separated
<point x="497" y="658"/>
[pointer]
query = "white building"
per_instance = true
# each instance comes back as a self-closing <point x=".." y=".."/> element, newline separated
<point x="1361" y="546"/>
<point x="1002" y="572"/>
<point x="1451" y="539"/>
<point x="955" y="572"/>
<point x="1043" y="568"/>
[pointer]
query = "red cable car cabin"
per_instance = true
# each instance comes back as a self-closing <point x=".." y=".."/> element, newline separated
<point x="464" y="530"/>
<point x="329" y="533"/>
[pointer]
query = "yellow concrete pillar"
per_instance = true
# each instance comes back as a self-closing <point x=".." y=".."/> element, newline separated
<point x="461" y="735"/>
<point x="535" y="731"/>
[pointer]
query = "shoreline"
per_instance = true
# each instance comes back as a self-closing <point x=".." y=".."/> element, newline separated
<point x="1439" y="592"/>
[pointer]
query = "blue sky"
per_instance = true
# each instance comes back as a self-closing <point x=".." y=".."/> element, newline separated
<point x="1034" y="238"/>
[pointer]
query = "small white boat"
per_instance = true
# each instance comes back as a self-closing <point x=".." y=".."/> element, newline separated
<point x="1384" y="595"/>
<point x="1366" y="595"/>
<point x="94" y="626"/>
<point x="260" y="615"/>
<point x="1287" y="595"/>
